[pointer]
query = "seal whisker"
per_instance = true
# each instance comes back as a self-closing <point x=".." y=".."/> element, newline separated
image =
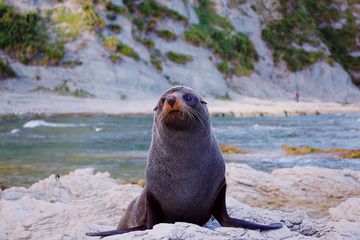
<point x="185" y="109"/>
<point x="197" y="116"/>
<point x="157" y="126"/>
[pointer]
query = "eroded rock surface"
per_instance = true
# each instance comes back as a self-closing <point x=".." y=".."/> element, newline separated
<point x="84" y="201"/>
<point x="313" y="190"/>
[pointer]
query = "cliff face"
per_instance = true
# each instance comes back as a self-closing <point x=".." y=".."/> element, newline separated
<point x="115" y="50"/>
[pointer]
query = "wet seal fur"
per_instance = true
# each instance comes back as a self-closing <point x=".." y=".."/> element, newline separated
<point x="185" y="172"/>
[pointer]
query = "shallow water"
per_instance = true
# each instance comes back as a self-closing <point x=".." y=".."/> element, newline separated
<point x="33" y="149"/>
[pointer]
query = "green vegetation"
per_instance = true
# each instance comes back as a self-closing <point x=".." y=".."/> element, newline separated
<point x="166" y="34"/>
<point x="139" y="23"/>
<point x="208" y="16"/>
<point x="113" y="44"/>
<point x="53" y="54"/>
<point x="115" y="58"/>
<point x="340" y="41"/>
<point x="70" y="24"/>
<point x="130" y="5"/>
<point x="147" y="42"/>
<point x="308" y="22"/>
<point x="146" y="14"/>
<point x="6" y="71"/>
<point x="239" y="70"/>
<point x="111" y="16"/>
<point x="123" y="97"/>
<point x="127" y="51"/>
<point x="81" y="93"/>
<point x="63" y="89"/>
<point x="110" y="43"/>
<point x="295" y="28"/>
<point x="93" y="20"/>
<point x="243" y="70"/>
<point x="115" y="28"/>
<point x="156" y="63"/>
<point x="71" y="63"/>
<point x="178" y="58"/>
<point x="224" y="68"/>
<point x="225" y="97"/>
<point x="115" y="8"/>
<point x="24" y="37"/>
<point x="150" y="8"/>
<point x="217" y="33"/>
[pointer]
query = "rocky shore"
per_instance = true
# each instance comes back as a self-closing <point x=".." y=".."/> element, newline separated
<point x="310" y="202"/>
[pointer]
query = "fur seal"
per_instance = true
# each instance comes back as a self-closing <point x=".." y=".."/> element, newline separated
<point x="185" y="172"/>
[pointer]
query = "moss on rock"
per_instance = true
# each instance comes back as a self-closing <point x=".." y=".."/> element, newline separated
<point x="178" y="57"/>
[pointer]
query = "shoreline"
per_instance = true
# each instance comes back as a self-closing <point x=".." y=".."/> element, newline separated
<point x="13" y="105"/>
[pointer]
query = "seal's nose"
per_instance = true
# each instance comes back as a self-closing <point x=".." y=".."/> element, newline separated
<point x="171" y="100"/>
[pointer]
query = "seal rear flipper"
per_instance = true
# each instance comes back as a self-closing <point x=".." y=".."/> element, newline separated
<point x="220" y="213"/>
<point x="233" y="222"/>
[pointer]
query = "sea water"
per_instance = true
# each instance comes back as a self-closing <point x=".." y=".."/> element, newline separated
<point x="32" y="149"/>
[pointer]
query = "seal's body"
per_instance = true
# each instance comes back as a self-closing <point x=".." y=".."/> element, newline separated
<point x="185" y="172"/>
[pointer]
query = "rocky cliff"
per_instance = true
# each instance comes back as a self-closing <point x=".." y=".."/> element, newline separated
<point x="118" y="49"/>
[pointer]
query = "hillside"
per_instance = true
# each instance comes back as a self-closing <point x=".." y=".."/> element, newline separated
<point x="122" y="50"/>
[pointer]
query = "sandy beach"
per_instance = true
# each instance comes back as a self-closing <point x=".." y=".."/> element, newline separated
<point x="49" y="104"/>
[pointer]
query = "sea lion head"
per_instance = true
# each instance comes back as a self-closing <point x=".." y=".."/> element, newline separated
<point x="181" y="108"/>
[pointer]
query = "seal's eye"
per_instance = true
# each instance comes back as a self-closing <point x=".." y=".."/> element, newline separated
<point x="187" y="97"/>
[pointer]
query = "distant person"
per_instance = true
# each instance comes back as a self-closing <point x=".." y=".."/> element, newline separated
<point x="297" y="95"/>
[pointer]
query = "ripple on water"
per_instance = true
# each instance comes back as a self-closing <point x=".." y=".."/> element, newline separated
<point x="119" y="145"/>
<point x="39" y="123"/>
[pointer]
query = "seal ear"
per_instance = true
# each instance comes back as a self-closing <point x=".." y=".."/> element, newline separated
<point x="203" y="102"/>
<point x="155" y="108"/>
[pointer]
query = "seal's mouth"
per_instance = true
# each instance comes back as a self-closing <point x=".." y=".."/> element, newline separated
<point x="174" y="117"/>
<point x="174" y="111"/>
<point x="174" y="114"/>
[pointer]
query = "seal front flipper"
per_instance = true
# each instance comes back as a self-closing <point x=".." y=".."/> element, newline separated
<point x="220" y="213"/>
<point x="114" y="232"/>
<point x="142" y="213"/>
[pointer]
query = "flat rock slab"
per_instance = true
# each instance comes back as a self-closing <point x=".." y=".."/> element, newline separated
<point x="310" y="189"/>
<point x="84" y="201"/>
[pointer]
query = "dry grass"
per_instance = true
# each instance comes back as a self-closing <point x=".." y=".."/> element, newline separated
<point x="304" y="150"/>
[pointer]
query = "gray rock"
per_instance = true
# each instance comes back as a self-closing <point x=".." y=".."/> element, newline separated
<point x="84" y="201"/>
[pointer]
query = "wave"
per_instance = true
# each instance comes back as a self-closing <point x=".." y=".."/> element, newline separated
<point x="15" y="130"/>
<point x="39" y="123"/>
<point x="98" y="129"/>
<point x="265" y="127"/>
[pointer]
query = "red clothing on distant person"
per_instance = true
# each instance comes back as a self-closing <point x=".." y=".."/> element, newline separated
<point x="297" y="95"/>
